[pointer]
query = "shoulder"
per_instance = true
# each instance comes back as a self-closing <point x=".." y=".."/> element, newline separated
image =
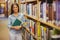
<point x="10" y="16"/>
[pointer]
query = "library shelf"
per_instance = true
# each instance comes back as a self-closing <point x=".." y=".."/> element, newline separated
<point x="22" y="2"/>
<point x="30" y="17"/>
<point x="31" y="1"/>
<point x="2" y="2"/>
<point x="28" y="1"/>
<point x="49" y="25"/>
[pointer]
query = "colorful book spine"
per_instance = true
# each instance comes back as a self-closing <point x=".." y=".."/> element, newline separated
<point x="58" y="13"/>
<point x="43" y="12"/>
<point x="22" y="8"/>
<point x="44" y="32"/>
<point x="50" y="13"/>
<point x="29" y="9"/>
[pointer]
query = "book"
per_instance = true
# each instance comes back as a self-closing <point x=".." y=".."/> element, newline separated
<point x="22" y="8"/>
<point x="43" y="14"/>
<point x="17" y="22"/>
<point x="44" y="32"/>
<point x="34" y="12"/>
<point x="1" y="10"/>
<point x="32" y="9"/>
<point x="50" y="13"/>
<point x="57" y="13"/>
<point x="29" y="9"/>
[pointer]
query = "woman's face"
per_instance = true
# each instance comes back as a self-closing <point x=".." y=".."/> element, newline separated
<point x="15" y="9"/>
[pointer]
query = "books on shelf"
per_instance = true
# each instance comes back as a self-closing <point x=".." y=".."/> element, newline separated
<point x="29" y="9"/>
<point x="10" y="2"/>
<point x="57" y="15"/>
<point x="2" y="10"/>
<point x="31" y="27"/>
<point x="22" y="8"/>
<point x="50" y="13"/>
<point x="44" y="33"/>
<point x="43" y="11"/>
<point x="32" y="9"/>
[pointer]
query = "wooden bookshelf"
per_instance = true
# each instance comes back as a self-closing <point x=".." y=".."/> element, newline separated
<point x="45" y="23"/>
<point x="31" y="17"/>
<point x="37" y="19"/>
<point x="22" y="2"/>
<point x="28" y="1"/>
<point x="50" y="25"/>
<point x="31" y="1"/>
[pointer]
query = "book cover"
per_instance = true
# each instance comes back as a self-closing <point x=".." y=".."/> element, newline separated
<point x="17" y="23"/>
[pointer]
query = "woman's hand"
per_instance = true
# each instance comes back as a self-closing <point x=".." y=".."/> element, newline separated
<point x="16" y="27"/>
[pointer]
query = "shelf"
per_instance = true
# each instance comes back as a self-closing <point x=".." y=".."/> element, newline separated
<point x="2" y="2"/>
<point x="49" y="25"/>
<point x="28" y="1"/>
<point x="32" y="18"/>
<point x="55" y="36"/>
<point x="31" y="1"/>
<point x="23" y="2"/>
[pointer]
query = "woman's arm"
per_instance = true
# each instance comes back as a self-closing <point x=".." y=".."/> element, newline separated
<point x="16" y="27"/>
<point x="10" y="24"/>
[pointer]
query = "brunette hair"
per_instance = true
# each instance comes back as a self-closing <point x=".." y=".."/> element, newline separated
<point x="12" y="7"/>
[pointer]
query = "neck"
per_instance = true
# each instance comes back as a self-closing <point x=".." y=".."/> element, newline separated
<point x="15" y="14"/>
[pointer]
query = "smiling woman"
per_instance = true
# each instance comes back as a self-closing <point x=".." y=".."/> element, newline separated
<point x="15" y="31"/>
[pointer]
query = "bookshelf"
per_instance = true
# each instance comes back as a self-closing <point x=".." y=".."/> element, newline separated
<point x="3" y="6"/>
<point x="45" y="23"/>
<point x="32" y="11"/>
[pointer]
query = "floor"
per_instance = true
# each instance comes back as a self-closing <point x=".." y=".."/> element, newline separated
<point x="4" y="33"/>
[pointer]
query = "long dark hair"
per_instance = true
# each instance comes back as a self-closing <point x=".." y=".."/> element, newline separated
<point x="12" y="7"/>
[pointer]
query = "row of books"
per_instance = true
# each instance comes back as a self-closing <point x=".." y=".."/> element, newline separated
<point x="2" y="10"/>
<point x="41" y="30"/>
<point x="50" y="12"/>
<point x="30" y="9"/>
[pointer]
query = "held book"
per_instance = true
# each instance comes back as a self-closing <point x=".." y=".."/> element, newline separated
<point x="17" y="22"/>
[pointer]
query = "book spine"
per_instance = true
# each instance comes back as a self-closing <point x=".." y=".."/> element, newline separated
<point x="50" y="13"/>
<point x="44" y="12"/>
<point x="58" y="13"/>
<point x="29" y="9"/>
<point x="44" y="33"/>
<point x="22" y="8"/>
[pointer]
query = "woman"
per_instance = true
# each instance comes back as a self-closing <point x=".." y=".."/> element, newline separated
<point x="15" y="31"/>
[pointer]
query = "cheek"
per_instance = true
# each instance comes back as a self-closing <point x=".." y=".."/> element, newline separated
<point x="15" y="9"/>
